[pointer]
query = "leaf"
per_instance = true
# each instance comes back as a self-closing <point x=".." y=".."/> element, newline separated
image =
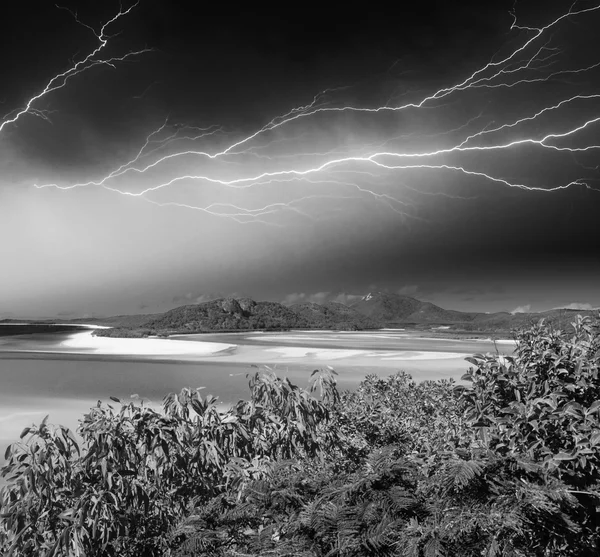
<point x="66" y="515"/>
<point x="115" y="399"/>
<point x="24" y="432"/>
<point x="595" y="438"/>
<point x="595" y="406"/>
<point x="563" y="456"/>
<point x="573" y="411"/>
<point x="127" y="472"/>
<point x="464" y="471"/>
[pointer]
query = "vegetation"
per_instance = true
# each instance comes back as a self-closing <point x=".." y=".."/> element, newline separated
<point x="123" y="332"/>
<point x="506" y="464"/>
<point x="230" y="314"/>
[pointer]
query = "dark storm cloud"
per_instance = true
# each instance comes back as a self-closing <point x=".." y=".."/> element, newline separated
<point x="468" y="244"/>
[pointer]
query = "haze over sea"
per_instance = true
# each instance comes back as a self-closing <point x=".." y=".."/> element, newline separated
<point x="64" y="373"/>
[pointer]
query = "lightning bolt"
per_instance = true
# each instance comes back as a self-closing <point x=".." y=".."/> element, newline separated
<point x="270" y="158"/>
<point x="91" y="60"/>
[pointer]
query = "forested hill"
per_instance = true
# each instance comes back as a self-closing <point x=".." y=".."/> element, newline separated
<point x="231" y="314"/>
<point x="392" y="309"/>
<point x="333" y="315"/>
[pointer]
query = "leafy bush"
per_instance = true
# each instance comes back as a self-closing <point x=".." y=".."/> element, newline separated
<point x="545" y="401"/>
<point x="420" y="419"/>
<point x="139" y="468"/>
<point x="542" y="407"/>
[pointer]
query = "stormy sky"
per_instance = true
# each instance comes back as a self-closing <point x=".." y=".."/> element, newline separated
<point x="299" y="157"/>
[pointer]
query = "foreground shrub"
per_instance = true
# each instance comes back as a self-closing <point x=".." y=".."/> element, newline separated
<point x="420" y="419"/>
<point x="544" y="402"/>
<point x="139" y="469"/>
<point x="542" y="406"/>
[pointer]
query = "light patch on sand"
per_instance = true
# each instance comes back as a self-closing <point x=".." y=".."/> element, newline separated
<point x="463" y="340"/>
<point x="497" y="341"/>
<point x="296" y="338"/>
<point x="414" y="355"/>
<point x="319" y="354"/>
<point x="331" y="336"/>
<point x="88" y="343"/>
<point x="340" y="354"/>
<point x="382" y="354"/>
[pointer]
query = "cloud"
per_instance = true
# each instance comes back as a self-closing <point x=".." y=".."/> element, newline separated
<point x="408" y="290"/>
<point x="207" y="297"/>
<point x="522" y="309"/>
<point x="577" y="305"/>
<point x="195" y="298"/>
<point x="347" y="299"/>
<point x="321" y="298"/>
<point x="66" y="314"/>
<point x="303" y="297"/>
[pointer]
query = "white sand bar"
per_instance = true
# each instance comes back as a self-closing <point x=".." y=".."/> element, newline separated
<point x="89" y="344"/>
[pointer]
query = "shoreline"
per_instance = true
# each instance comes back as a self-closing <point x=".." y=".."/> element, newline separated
<point x="379" y="349"/>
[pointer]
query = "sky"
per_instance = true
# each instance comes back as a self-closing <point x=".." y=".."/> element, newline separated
<point x="446" y="153"/>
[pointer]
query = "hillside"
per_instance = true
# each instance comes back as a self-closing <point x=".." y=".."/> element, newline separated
<point x="394" y="309"/>
<point x="333" y="315"/>
<point x="227" y="314"/>
<point x="230" y="314"/>
<point x="558" y="318"/>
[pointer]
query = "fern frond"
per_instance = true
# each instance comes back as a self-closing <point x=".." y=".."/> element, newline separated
<point x="460" y="472"/>
<point x="434" y="548"/>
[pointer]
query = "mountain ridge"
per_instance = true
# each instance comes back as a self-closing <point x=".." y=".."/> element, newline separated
<point x="373" y="311"/>
<point x="399" y="309"/>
